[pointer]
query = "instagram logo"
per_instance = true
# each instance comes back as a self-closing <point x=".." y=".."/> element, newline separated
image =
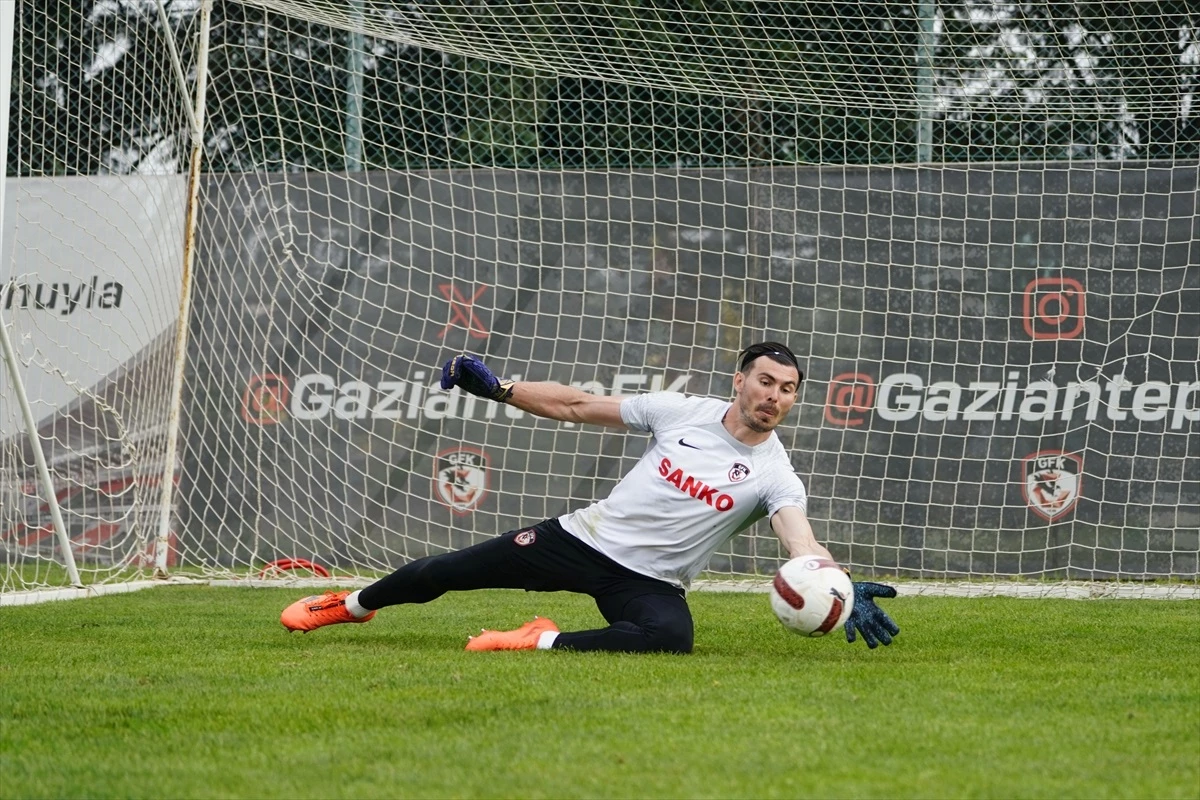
<point x="851" y="398"/>
<point x="1054" y="308"/>
<point x="265" y="401"/>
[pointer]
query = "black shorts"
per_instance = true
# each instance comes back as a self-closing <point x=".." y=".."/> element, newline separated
<point x="541" y="558"/>
<point x="549" y="559"/>
<point x="644" y="614"/>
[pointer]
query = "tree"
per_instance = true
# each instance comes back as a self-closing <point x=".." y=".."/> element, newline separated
<point x="84" y="73"/>
<point x="1047" y="81"/>
<point x="624" y="83"/>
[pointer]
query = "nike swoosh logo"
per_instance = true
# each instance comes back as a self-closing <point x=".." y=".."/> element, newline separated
<point x="685" y="444"/>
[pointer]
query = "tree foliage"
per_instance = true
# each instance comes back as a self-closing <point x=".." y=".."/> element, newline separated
<point x="633" y="83"/>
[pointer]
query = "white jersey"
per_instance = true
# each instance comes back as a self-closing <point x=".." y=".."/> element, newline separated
<point x="694" y="488"/>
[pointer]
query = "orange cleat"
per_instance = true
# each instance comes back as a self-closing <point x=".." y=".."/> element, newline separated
<point x="318" y="611"/>
<point x="523" y="638"/>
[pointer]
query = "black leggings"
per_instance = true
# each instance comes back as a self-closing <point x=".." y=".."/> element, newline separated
<point x="643" y="614"/>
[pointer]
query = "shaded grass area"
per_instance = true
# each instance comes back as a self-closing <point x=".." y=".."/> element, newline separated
<point x="198" y="692"/>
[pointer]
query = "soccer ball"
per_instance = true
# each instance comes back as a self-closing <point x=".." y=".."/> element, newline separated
<point x="811" y="596"/>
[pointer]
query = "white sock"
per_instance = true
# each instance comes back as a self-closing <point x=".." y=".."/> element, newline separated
<point x="546" y="639"/>
<point x="355" y="607"/>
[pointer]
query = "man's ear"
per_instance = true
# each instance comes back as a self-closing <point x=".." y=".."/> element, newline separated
<point x="738" y="380"/>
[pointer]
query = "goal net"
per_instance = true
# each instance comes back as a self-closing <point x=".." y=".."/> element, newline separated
<point x="975" y="223"/>
<point x="89" y="289"/>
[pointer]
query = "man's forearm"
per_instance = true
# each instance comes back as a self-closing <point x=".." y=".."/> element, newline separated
<point x="567" y="404"/>
<point x="801" y="546"/>
<point x="545" y="399"/>
<point x="793" y="529"/>
<point x="548" y="399"/>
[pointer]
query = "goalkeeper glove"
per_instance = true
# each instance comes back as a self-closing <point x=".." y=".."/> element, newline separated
<point x="869" y="619"/>
<point x="473" y="376"/>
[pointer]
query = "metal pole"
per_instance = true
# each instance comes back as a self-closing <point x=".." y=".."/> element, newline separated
<point x="354" y="93"/>
<point x="39" y="458"/>
<point x="926" y="17"/>
<point x="176" y="62"/>
<point x="7" y="34"/>
<point x="166" y="496"/>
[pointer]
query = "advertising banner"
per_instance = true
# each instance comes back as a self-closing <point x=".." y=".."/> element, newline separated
<point x="92" y="266"/>
<point x="1014" y="348"/>
<point x="89" y="289"/>
<point x="90" y="281"/>
<point x="1001" y="361"/>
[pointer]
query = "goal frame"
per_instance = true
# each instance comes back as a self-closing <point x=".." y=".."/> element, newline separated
<point x="8" y="13"/>
<point x="167" y="490"/>
<point x="195" y="109"/>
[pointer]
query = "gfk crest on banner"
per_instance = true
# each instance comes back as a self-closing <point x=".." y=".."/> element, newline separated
<point x="460" y="478"/>
<point x="1051" y="482"/>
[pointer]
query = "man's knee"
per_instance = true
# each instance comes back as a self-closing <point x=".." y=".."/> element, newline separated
<point x="430" y="573"/>
<point x="670" y="633"/>
<point x="647" y="636"/>
<point x="673" y="639"/>
<point x="650" y="623"/>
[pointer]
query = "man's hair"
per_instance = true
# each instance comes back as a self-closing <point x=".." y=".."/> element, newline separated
<point x="775" y="351"/>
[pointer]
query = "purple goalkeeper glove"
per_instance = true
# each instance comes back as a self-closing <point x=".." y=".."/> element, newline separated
<point x="869" y="619"/>
<point x="472" y="376"/>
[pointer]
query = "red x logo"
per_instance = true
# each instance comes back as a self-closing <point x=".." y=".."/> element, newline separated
<point x="462" y="311"/>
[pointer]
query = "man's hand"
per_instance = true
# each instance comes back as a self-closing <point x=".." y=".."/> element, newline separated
<point x="473" y="376"/>
<point x="868" y="618"/>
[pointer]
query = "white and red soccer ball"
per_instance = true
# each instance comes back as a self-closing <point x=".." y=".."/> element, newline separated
<point x="812" y="596"/>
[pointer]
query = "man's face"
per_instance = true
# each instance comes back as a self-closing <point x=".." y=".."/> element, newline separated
<point x="765" y="394"/>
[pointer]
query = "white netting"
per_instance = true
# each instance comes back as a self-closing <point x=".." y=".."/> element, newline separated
<point x="89" y="287"/>
<point x="974" y="222"/>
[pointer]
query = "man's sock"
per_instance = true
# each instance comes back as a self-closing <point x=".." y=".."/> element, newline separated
<point x="546" y="640"/>
<point x="355" y="607"/>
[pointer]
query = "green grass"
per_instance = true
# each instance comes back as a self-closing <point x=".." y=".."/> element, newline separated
<point x="198" y="692"/>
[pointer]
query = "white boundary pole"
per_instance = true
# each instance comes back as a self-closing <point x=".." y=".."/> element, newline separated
<point x="162" y="542"/>
<point x="8" y="13"/>
<point x="14" y="369"/>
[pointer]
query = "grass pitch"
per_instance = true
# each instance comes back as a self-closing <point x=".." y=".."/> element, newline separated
<point x="198" y="692"/>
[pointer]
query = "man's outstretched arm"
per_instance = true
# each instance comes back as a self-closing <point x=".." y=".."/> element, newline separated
<point x="567" y="404"/>
<point x="545" y="399"/>
<point x="791" y="526"/>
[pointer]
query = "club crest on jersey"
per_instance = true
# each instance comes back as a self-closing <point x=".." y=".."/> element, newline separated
<point x="1051" y="482"/>
<point x="460" y="478"/>
<point x="738" y="472"/>
<point x="525" y="537"/>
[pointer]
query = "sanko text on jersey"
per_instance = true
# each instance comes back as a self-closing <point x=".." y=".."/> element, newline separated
<point x="694" y="487"/>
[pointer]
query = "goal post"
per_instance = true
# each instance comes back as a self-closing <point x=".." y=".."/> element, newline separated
<point x="7" y="31"/>
<point x="92" y="259"/>
<point x="195" y="117"/>
<point x="976" y="228"/>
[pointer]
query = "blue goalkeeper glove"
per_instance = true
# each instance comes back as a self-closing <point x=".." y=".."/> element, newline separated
<point x="869" y="619"/>
<point x="472" y="376"/>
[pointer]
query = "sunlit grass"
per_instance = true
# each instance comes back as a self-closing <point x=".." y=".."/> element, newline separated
<point x="198" y="692"/>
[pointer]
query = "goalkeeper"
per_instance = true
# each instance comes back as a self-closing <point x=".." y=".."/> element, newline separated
<point x="712" y="469"/>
